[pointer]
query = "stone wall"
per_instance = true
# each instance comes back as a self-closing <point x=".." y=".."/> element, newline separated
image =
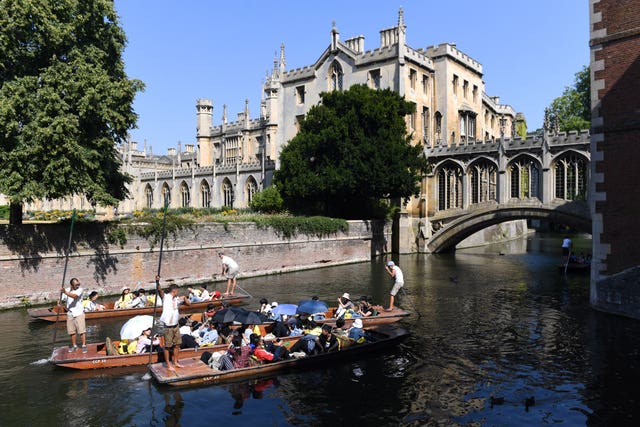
<point x="32" y="257"/>
<point x="619" y="293"/>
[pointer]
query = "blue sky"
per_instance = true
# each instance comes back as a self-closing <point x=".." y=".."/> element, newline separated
<point x="221" y="50"/>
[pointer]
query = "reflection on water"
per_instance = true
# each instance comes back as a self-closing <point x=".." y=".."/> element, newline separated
<point x="499" y="338"/>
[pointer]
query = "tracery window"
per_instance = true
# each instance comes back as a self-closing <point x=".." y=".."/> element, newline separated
<point x="232" y="150"/>
<point x="483" y="181"/>
<point x="227" y="193"/>
<point x="449" y="186"/>
<point x="185" y="195"/>
<point x="335" y="76"/>
<point x="148" y="195"/>
<point x="525" y="178"/>
<point x="205" y="194"/>
<point x="571" y="177"/>
<point x="251" y="188"/>
<point x="166" y="194"/>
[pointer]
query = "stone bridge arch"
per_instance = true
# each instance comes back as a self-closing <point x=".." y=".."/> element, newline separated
<point x="573" y="214"/>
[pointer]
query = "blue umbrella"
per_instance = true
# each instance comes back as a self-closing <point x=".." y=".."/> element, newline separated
<point x="288" y="309"/>
<point x="312" y="306"/>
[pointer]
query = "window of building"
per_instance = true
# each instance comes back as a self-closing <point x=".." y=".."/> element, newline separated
<point x="438" y="119"/>
<point x="475" y="93"/>
<point x="231" y="150"/>
<point x="299" y="119"/>
<point x="300" y="94"/>
<point x="455" y="84"/>
<point x="449" y="186"/>
<point x="571" y="177"/>
<point x="483" y="182"/>
<point x="467" y="126"/>
<point x="425" y="84"/>
<point x="227" y="193"/>
<point x="205" y="194"/>
<point x="148" y="196"/>
<point x="425" y="124"/>
<point x="465" y="88"/>
<point x="412" y="121"/>
<point x="251" y="188"/>
<point x="525" y="178"/>
<point x="166" y="194"/>
<point x="374" y="79"/>
<point x="335" y="76"/>
<point x="185" y="195"/>
<point x="413" y="75"/>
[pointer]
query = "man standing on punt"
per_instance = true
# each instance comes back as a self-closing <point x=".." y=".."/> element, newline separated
<point x="170" y="316"/>
<point x="75" y="314"/>
<point x="230" y="268"/>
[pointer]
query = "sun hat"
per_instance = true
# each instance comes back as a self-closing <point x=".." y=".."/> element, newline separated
<point x="274" y="304"/>
<point x="125" y="287"/>
<point x="357" y="323"/>
<point x="346" y="295"/>
<point x="269" y="337"/>
<point x="390" y="264"/>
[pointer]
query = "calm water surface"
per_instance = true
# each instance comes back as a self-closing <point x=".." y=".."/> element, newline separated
<point x="507" y="326"/>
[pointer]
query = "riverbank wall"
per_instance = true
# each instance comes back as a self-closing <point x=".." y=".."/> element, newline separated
<point x="32" y="256"/>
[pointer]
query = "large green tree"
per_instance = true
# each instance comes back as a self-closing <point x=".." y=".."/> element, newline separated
<point x="65" y="101"/>
<point x="572" y="110"/>
<point x="352" y="151"/>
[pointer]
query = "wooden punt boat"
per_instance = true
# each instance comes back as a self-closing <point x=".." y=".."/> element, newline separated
<point x="49" y="314"/>
<point x="383" y="317"/>
<point x="96" y="356"/>
<point x="196" y="372"/>
<point x="575" y="267"/>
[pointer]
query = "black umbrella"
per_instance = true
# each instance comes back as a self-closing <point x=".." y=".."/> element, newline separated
<point x="241" y="315"/>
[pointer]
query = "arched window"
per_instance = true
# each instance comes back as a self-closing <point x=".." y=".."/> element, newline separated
<point x="449" y="186"/>
<point x="205" y="194"/>
<point x="227" y="193"/>
<point x="148" y="195"/>
<point x="185" y="195"/>
<point x="335" y="76"/>
<point x="438" y="118"/>
<point x="483" y="181"/>
<point x="571" y="177"/>
<point x="250" y="188"/>
<point x="166" y="194"/>
<point x="525" y="178"/>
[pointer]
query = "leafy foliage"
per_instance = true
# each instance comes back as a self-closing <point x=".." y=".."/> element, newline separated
<point x="572" y="110"/>
<point x="150" y="226"/>
<point x="291" y="226"/>
<point x="65" y="100"/>
<point x="352" y="150"/>
<point x="4" y="212"/>
<point x="268" y="200"/>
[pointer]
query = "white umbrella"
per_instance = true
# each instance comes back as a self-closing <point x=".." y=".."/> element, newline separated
<point x="134" y="327"/>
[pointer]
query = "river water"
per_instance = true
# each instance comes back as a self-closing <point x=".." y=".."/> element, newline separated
<point x="498" y="321"/>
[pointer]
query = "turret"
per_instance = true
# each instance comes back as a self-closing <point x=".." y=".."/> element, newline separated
<point x="204" y="122"/>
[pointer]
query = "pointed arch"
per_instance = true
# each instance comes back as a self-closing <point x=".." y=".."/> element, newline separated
<point x="166" y="194"/>
<point x="250" y="188"/>
<point x="205" y="194"/>
<point x="449" y="193"/>
<point x="483" y="180"/>
<point x="336" y="76"/>
<point x="185" y="195"/>
<point x="571" y="172"/>
<point x="148" y="196"/>
<point x="227" y="193"/>
<point x="524" y="176"/>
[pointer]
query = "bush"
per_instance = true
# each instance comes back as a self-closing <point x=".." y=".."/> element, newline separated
<point x="268" y="200"/>
<point x="4" y="211"/>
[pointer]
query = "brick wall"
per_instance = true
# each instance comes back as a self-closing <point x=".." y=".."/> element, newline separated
<point x="615" y="154"/>
<point x="32" y="259"/>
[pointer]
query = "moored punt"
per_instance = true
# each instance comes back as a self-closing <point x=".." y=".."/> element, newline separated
<point x="96" y="357"/>
<point x="197" y="372"/>
<point x="50" y="314"/>
<point x="382" y="318"/>
<point x="575" y="267"/>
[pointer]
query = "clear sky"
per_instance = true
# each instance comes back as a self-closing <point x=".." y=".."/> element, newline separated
<point x="530" y="50"/>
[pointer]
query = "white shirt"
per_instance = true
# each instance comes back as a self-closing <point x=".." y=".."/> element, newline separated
<point x="229" y="262"/>
<point x="205" y="295"/>
<point x="170" y="313"/>
<point x="74" y="305"/>
<point x="398" y="274"/>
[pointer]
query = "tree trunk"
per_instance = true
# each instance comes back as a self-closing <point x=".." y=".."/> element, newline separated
<point x="15" y="213"/>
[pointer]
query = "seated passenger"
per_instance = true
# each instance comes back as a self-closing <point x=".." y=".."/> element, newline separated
<point x="92" y="304"/>
<point x="208" y="334"/>
<point x="366" y="309"/>
<point x="265" y="307"/>
<point x="280" y="352"/>
<point x="199" y="295"/>
<point x="208" y="315"/>
<point x="327" y="341"/>
<point x="344" y="304"/>
<point x="237" y="355"/>
<point x="340" y="328"/>
<point x="124" y="299"/>
<point x="145" y="342"/>
<point x="356" y="332"/>
<point x="139" y="299"/>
